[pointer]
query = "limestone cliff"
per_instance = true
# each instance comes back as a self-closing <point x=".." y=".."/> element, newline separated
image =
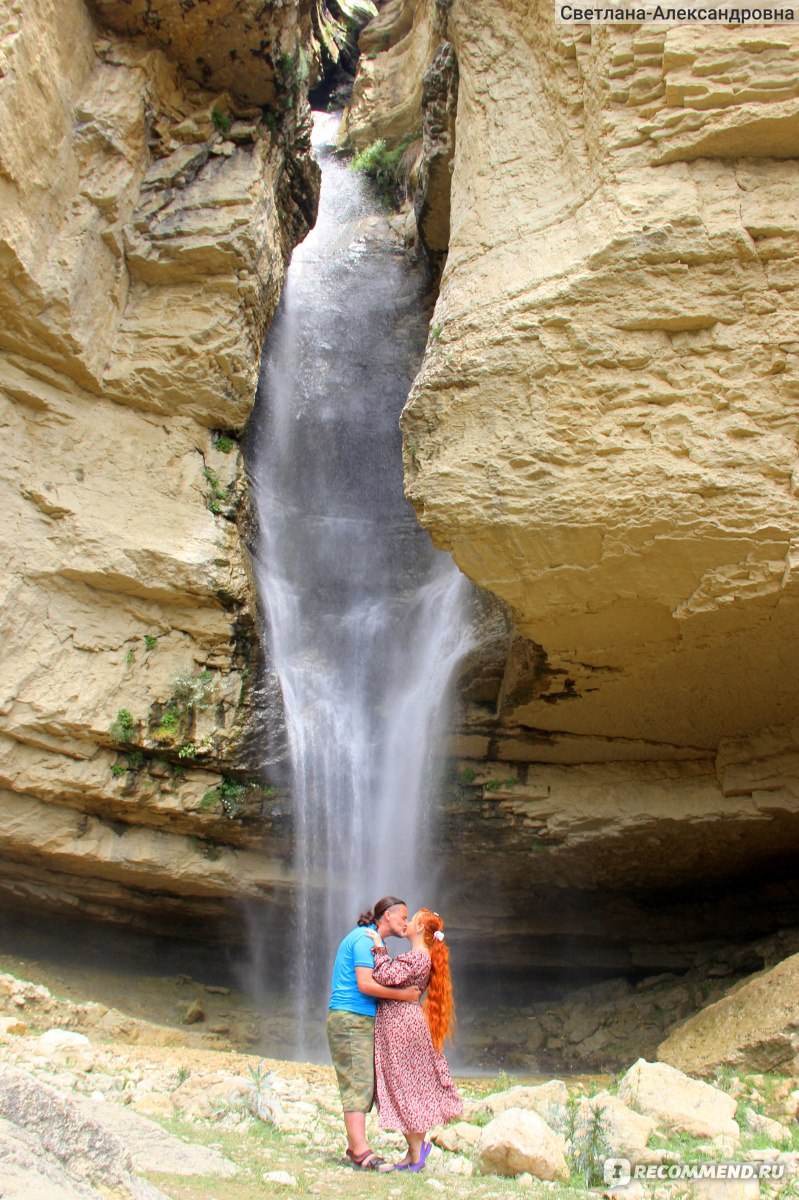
<point x="604" y="435"/>
<point x="148" y="210"/>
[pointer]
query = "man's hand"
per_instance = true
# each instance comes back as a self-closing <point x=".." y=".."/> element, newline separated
<point x="367" y="985"/>
<point x="412" y="995"/>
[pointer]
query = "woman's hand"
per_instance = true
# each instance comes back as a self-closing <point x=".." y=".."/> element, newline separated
<point x="375" y="936"/>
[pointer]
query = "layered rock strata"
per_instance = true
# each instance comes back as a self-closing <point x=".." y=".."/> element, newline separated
<point x="603" y="434"/>
<point x="148" y="213"/>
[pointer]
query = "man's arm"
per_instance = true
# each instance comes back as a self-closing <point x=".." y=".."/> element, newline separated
<point x="367" y="985"/>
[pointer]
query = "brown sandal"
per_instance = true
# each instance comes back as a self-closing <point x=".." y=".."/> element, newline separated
<point x="368" y="1161"/>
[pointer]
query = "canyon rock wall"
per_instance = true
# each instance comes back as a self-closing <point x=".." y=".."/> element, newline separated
<point x="147" y="216"/>
<point x="604" y="435"/>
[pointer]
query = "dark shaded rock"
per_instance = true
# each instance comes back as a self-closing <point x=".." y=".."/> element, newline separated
<point x="432" y="200"/>
<point x="195" y="1013"/>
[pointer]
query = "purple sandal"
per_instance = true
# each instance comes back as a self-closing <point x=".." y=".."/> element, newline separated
<point x="423" y="1153"/>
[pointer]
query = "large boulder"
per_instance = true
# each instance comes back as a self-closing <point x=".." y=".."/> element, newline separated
<point x="673" y="1099"/>
<point x="541" y="1099"/>
<point x="518" y="1141"/>
<point x="459" y="1138"/>
<point x="54" y="1150"/>
<point x="755" y="1027"/>
<point x="29" y="1175"/>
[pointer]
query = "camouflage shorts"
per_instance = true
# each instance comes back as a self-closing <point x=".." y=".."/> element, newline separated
<point x="351" y="1038"/>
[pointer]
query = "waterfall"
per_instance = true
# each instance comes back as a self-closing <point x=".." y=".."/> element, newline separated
<point x="365" y="620"/>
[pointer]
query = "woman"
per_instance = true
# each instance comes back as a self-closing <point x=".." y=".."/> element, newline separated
<point x="414" y="1087"/>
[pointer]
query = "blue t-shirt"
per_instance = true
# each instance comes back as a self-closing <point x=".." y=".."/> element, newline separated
<point x="345" y="995"/>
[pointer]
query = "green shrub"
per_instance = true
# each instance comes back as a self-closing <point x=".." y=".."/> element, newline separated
<point x="122" y="727"/>
<point x="221" y="120"/>
<point x="497" y="785"/>
<point x="590" y="1148"/>
<point x="231" y="796"/>
<point x="386" y="166"/>
<point x="216" y="492"/>
<point x="224" y="444"/>
<point x="133" y="761"/>
<point x="210" y="800"/>
<point x="150" y="641"/>
<point x="586" y="1138"/>
<point x="170" y="724"/>
<point x="195" y="691"/>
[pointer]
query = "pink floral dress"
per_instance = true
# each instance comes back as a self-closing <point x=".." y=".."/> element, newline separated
<point x="414" y="1087"/>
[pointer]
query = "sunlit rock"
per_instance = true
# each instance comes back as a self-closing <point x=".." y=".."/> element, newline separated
<point x="518" y="1140"/>
<point x="673" y="1099"/>
<point x="752" y="1028"/>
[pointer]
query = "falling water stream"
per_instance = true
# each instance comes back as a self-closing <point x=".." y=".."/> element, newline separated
<point x="365" y="619"/>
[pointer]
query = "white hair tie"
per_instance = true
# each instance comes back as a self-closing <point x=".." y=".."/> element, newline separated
<point x="438" y="935"/>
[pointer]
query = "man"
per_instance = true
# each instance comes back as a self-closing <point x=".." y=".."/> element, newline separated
<point x="351" y="1022"/>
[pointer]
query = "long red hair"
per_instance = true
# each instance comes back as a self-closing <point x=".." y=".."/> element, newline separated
<point x="439" y="1003"/>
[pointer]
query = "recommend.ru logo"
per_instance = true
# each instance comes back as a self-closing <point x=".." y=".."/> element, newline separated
<point x="619" y="1171"/>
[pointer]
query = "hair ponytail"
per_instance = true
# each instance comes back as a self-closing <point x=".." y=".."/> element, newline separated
<point x="439" y="1003"/>
<point x="373" y="915"/>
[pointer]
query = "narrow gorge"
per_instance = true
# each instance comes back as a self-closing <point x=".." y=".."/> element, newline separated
<point x="601" y="431"/>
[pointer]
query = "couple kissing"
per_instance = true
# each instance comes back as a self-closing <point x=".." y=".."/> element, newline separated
<point x="384" y="1044"/>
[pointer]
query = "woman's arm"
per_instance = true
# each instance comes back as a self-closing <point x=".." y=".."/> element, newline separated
<point x="392" y="973"/>
<point x="367" y="985"/>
